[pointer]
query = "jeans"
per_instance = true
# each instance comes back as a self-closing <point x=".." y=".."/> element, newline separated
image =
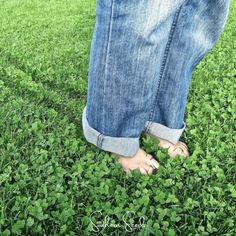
<point x="142" y="56"/>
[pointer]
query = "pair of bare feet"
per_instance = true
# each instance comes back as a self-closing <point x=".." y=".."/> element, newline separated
<point x="145" y="162"/>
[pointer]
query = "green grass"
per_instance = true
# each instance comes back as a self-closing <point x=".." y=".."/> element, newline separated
<point x="52" y="180"/>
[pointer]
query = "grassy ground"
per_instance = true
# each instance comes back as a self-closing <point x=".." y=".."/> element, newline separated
<point x="52" y="181"/>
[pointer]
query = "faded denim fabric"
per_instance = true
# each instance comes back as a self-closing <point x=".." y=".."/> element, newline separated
<point x="142" y="56"/>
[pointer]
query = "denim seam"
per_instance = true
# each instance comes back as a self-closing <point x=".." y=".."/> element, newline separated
<point x="108" y="45"/>
<point x="150" y="127"/>
<point x="99" y="140"/>
<point x="163" y="66"/>
<point x="147" y="127"/>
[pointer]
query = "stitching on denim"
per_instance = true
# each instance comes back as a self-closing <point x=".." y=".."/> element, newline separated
<point x="163" y="66"/>
<point x="108" y="45"/>
<point x="150" y="127"/>
<point x="147" y="129"/>
<point x="99" y="140"/>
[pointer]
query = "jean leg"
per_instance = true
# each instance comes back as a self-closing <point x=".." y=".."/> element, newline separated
<point x="128" y="42"/>
<point x="198" y="27"/>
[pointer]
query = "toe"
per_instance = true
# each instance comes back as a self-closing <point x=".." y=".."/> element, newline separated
<point x="183" y="144"/>
<point x="164" y="143"/>
<point x="127" y="170"/>
<point x="155" y="163"/>
<point x="184" y="149"/>
<point x="186" y="153"/>
<point x="149" y="169"/>
<point x="177" y="150"/>
<point x="151" y="161"/>
<point x="143" y="171"/>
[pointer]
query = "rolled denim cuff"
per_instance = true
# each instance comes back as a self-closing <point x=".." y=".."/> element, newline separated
<point x="164" y="132"/>
<point x="124" y="146"/>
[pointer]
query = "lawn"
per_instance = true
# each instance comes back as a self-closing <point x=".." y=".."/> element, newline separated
<point x="52" y="182"/>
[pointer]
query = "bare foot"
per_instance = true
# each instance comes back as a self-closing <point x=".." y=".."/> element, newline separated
<point x="142" y="161"/>
<point x="180" y="148"/>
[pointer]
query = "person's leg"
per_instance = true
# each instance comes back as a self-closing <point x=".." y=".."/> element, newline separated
<point x="128" y="43"/>
<point x="199" y="24"/>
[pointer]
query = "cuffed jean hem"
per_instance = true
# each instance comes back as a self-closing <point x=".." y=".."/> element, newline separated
<point x="164" y="132"/>
<point x="120" y="145"/>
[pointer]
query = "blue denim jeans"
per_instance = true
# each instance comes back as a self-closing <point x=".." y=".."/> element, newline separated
<point x="142" y="56"/>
